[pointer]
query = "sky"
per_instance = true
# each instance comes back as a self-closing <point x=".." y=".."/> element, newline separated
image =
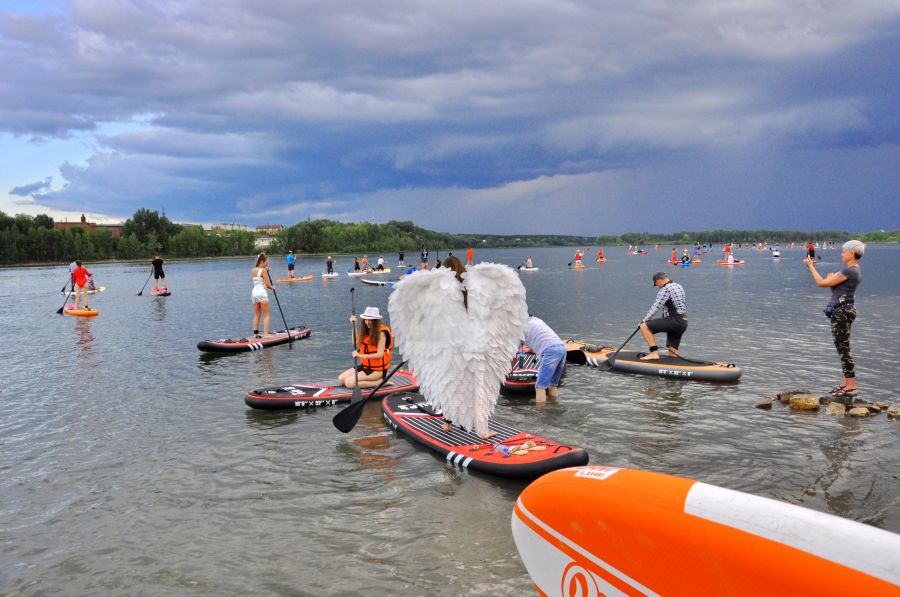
<point x="502" y="117"/>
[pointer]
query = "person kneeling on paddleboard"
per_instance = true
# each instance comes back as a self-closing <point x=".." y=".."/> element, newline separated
<point x="673" y="322"/>
<point x="375" y="340"/>
<point x="552" y="352"/>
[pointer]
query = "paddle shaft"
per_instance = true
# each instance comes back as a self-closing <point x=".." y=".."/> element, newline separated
<point x="357" y="393"/>
<point x="68" y="294"/>
<point x="145" y="284"/>
<point x="347" y="419"/>
<point x="624" y="343"/>
<point x="277" y="302"/>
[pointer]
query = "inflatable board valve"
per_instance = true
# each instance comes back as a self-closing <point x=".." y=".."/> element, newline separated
<point x="608" y="531"/>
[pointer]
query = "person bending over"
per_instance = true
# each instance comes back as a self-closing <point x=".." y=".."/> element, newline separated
<point x="552" y="354"/>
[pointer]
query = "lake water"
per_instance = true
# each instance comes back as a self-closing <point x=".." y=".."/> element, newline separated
<point x="129" y="463"/>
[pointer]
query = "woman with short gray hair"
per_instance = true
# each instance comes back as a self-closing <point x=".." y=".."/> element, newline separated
<point x="841" y="310"/>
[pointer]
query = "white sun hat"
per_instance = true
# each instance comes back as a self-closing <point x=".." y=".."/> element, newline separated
<point x="371" y="313"/>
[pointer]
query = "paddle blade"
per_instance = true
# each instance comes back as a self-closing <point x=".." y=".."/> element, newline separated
<point x="60" y="310"/>
<point x="347" y="419"/>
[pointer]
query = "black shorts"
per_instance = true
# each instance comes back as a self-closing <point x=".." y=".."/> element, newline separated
<point x="363" y="369"/>
<point x="290" y="267"/>
<point x="159" y="274"/>
<point x="674" y="328"/>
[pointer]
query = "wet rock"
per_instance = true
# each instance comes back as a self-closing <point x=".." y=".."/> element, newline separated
<point x="882" y="405"/>
<point x="859" y="411"/>
<point x="785" y="397"/>
<point x="765" y="404"/>
<point x="804" y="402"/>
<point x="836" y="408"/>
<point x="893" y="411"/>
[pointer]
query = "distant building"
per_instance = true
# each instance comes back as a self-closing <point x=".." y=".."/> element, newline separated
<point x="263" y="241"/>
<point x="220" y="229"/>
<point x="269" y="229"/>
<point x="115" y="230"/>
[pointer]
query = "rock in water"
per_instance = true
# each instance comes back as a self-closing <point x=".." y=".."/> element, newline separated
<point x="804" y="402"/>
<point x="836" y="408"/>
<point x="893" y="411"/>
<point x="859" y="411"/>
<point x="765" y="404"/>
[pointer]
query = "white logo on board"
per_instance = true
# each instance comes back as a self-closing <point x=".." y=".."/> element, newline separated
<point x="597" y="472"/>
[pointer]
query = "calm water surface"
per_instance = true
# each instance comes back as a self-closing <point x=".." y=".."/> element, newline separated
<point x="129" y="463"/>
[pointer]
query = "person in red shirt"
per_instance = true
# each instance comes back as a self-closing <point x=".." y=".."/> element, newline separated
<point x="469" y="255"/>
<point x="80" y="277"/>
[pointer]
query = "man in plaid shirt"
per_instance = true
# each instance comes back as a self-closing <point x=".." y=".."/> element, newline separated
<point x="673" y="322"/>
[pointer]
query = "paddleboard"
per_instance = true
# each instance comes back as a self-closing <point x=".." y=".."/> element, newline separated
<point x="578" y="266"/>
<point x="80" y="312"/>
<point x="248" y="344"/>
<point x="523" y="375"/>
<point x="529" y="269"/>
<point x="355" y="273"/>
<point x="630" y="362"/>
<point x="388" y="283"/>
<point x="598" y="530"/>
<point x="386" y="270"/>
<point x="160" y="292"/>
<point x="409" y="414"/>
<point x="94" y="291"/>
<point x="685" y="264"/>
<point x="725" y="263"/>
<point x="603" y="260"/>
<point x="323" y="394"/>
<point x="776" y="255"/>
<point x="306" y="278"/>
<point x="331" y="275"/>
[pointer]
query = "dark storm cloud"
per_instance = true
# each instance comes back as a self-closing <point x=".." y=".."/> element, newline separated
<point x="315" y="108"/>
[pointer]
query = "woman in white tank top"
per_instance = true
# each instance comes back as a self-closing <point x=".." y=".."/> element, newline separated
<point x="259" y="296"/>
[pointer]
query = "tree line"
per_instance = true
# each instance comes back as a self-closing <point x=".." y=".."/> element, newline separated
<point x="27" y="239"/>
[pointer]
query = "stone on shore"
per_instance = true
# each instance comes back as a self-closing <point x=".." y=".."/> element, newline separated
<point x="836" y="408"/>
<point x="804" y="402"/>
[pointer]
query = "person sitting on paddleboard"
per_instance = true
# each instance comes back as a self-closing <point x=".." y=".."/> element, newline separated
<point x="374" y="341"/>
<point x="380" y="266"/>
<point x="673" y="322"/>
<point x="290" y="262"/>
<point x="552" y="353"/>
<point x="156" y="266"/>
<point x="685" y="258"/>
<point x="259" y="297"/>
<point x="841" y="310"/>
<point x="80" y="277"/>
<point x="356" y="264"/>
<point x="365" y="263"/>
<point x="329" y="265"/>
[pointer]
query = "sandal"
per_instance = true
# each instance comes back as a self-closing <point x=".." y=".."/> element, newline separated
<point x="850" y="393"/>
<point x="834" y="391"/>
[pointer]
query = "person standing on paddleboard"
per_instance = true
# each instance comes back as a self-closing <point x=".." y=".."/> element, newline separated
<point x="424" y="257"/>
<point x="552" y="353"/>
<point x="671" y="300"/>
<point x="156" y="266"/>
<point x="72" y="267"/>
<point x="259" y="297"/>
<point x="290" y="262"/>
<point x="400" y="257"/>
<point x="80" y="277"/>
<point x="470" y="256"/>
<point x="841" y="310"/>
<point x="355" y="264"/>
<point x="374" y="341"/>
<point x="329" y="265"/>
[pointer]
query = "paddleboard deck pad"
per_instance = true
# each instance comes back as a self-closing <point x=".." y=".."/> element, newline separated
<point x="248" y="344"/>
<point x="523" y="375"/>
<point x="599" y="530"/>
<point x="410" y="415"/>
<point x="630" y="362"/>
<point x="323" y="394"/>
<point x="160" y="292"/>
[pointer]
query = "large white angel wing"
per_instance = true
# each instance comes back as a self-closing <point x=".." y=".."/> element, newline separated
<point x="498" y="316"/>
<point x="460" y="356"/>
<point x="430" y="327"/>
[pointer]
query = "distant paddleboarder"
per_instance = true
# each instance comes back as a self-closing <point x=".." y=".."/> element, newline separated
<point x="156" y="266"/>
<point x="290" y="263"/>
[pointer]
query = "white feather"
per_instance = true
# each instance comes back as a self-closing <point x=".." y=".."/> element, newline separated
<point x="460" y="356"/>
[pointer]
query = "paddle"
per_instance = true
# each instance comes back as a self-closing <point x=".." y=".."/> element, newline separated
<point x="346" y="420"/>
<point x="277" y="302"/>
<point x="357" y="393"/>
<point x="610" y="358"/>
<point x="65" y="300"/>
<point x="145" y="284"/>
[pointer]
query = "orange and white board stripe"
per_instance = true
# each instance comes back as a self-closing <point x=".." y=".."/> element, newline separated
<point x="591" y="531"/>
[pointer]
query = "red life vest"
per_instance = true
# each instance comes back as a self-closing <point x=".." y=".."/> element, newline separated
<point x="367" y="347"/>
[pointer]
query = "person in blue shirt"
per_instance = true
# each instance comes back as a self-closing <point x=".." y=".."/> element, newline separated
<point x="290" y="261"/>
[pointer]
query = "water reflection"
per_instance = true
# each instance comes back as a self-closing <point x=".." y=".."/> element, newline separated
<point x="84" y="342"/>
<point x="159" y="309"/>
<point x="265" y="369"/>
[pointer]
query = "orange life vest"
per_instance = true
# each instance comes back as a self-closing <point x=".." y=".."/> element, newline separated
<point x="367" y="347"/>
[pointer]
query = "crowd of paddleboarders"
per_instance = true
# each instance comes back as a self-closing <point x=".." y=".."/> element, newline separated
<point x="436" y="307"/>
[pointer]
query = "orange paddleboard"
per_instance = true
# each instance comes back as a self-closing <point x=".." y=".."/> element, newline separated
<point x="80" y="312"/>
<point x="596" y="530"/>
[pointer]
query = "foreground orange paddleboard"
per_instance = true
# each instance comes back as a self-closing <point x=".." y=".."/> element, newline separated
<point x="595" y="530"/>
<point x="80" y="312"/>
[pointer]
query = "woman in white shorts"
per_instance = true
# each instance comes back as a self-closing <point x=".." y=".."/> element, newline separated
<point x="259" y="296"/>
